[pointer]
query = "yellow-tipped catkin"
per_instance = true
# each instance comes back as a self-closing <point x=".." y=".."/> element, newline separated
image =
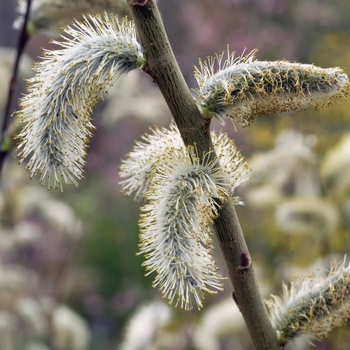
<point x="182" y="196"/>
<point x="313" y="305"/>
<point x="243" y="88"/>
<point x="175" y="233"/>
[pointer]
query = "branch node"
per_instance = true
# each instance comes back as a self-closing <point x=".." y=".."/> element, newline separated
<point x="245" y="262"/>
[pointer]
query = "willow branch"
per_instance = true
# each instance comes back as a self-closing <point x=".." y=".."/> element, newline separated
<point x="22" y="40"/>
<point x="194" y="129"/>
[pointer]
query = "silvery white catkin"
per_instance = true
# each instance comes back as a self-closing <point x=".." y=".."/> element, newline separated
<point x="67" y="85"/>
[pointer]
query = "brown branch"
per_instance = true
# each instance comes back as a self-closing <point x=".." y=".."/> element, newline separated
<point x="164" y="70"/>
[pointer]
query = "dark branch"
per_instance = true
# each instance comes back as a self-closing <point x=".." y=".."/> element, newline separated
<point x="5" y="136"/>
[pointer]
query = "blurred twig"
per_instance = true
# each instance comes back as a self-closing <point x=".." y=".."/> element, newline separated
<point x="5" y="135"/>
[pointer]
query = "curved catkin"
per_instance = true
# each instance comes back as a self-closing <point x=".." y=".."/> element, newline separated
<point x="244" y="88"/>
<point x="67" y="85"/>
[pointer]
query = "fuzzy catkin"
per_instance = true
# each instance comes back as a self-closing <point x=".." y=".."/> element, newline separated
<point x="175" y="232"/>
<point x="181" y="197"/>
<point x="244" y="88"/>
<point x="67" y="85"/>
<point x="142" y="163"/>
<point x="313" y="305"/>
<point x="138" y="169"/>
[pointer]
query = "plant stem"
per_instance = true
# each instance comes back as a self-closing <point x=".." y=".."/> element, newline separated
<point x="22" y="40"/>
<point x="195" y="130"/>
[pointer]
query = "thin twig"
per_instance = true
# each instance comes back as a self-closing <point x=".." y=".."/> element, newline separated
<point x="22" y="41"/>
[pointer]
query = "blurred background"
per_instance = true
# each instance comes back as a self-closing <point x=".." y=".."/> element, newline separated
<point x="69" y="276"/>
